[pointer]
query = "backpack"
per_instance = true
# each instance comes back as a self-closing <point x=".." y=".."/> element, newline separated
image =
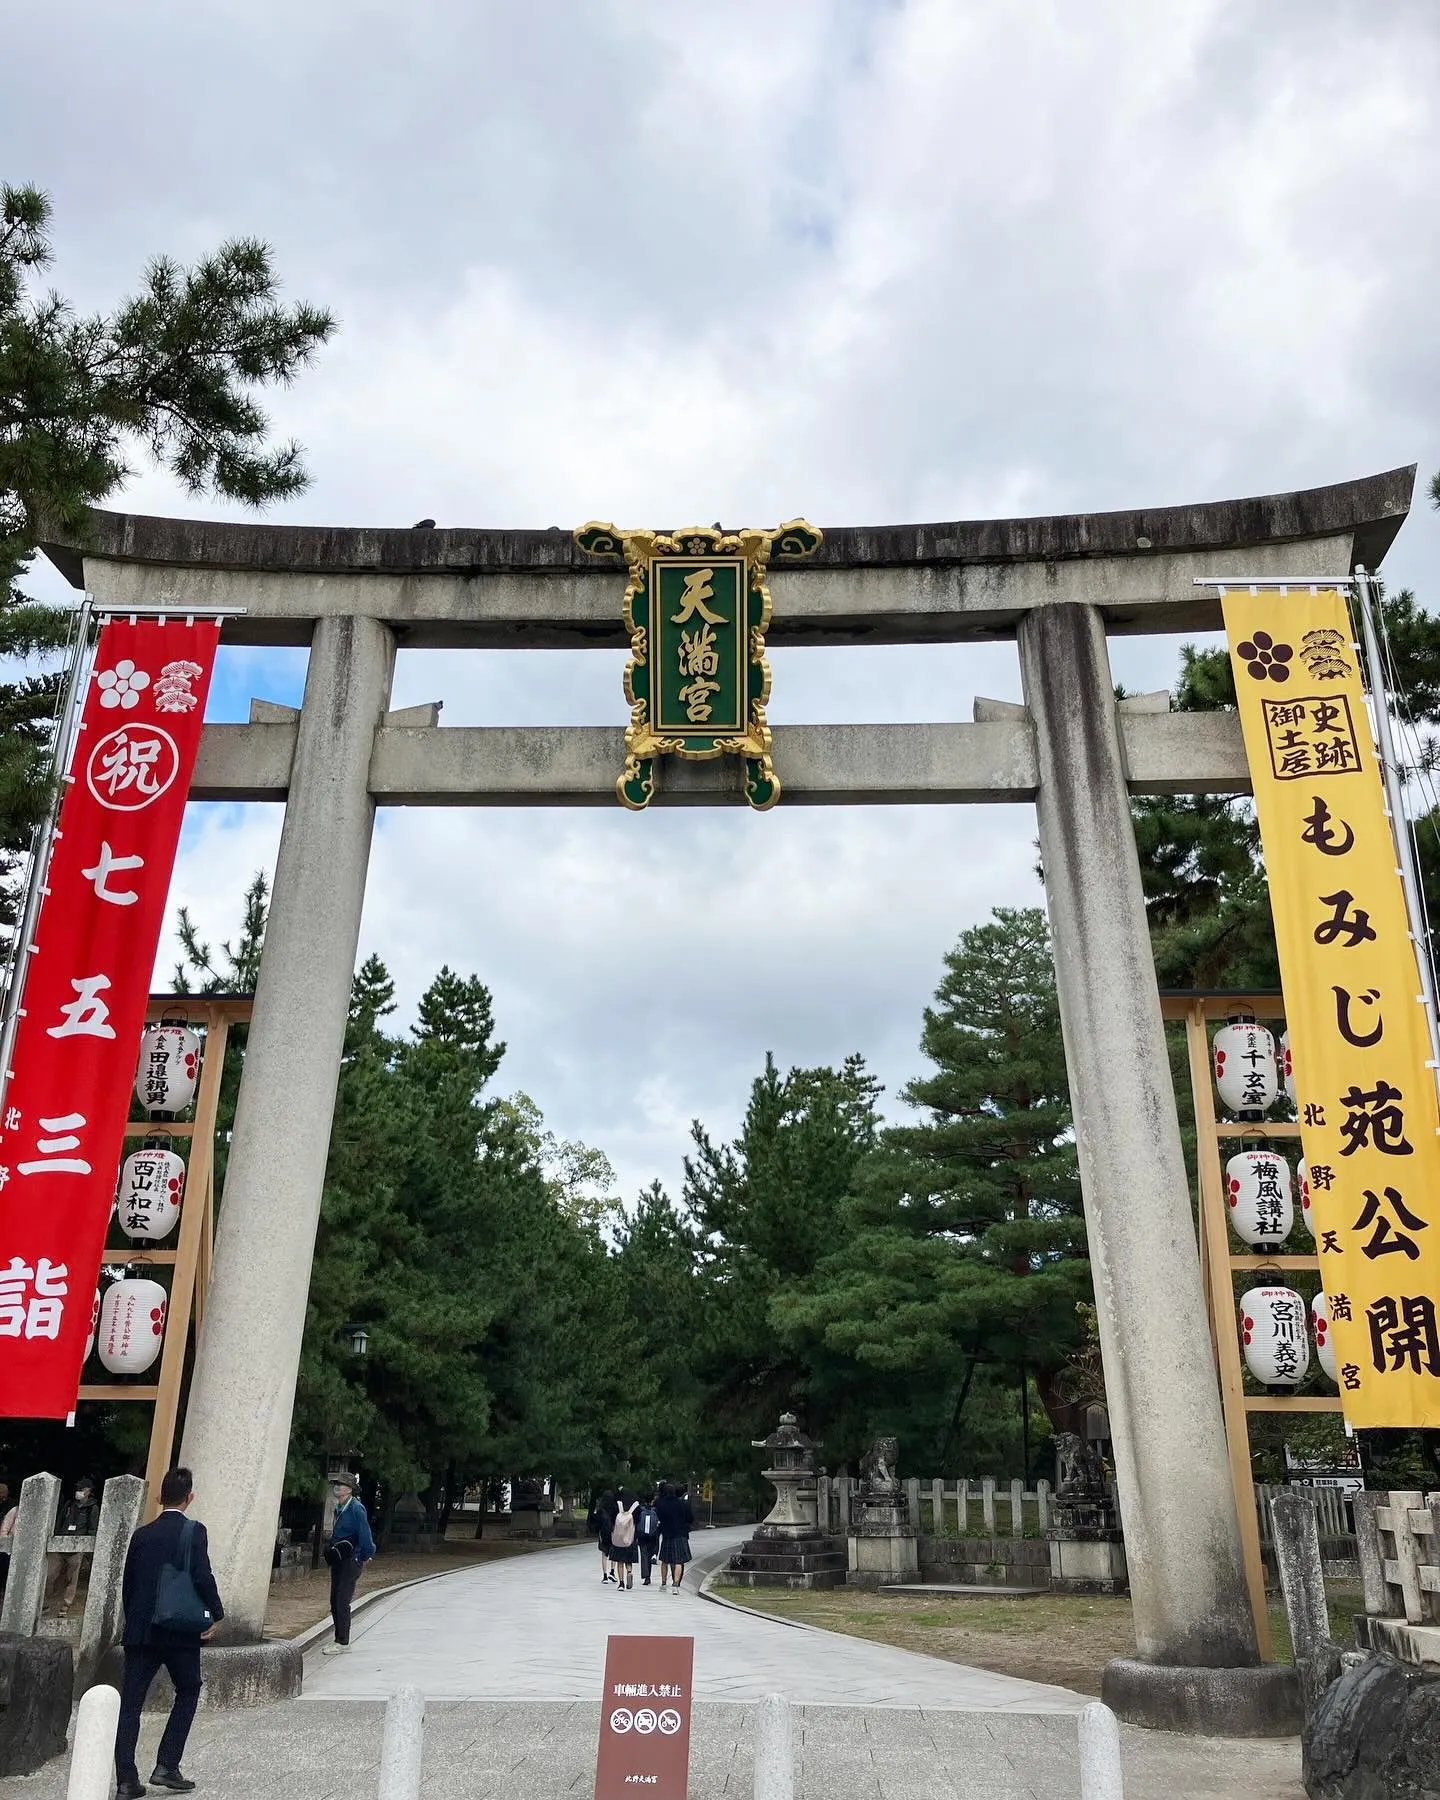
<point x="622" y="1533"/>
<point x="649" y="1522"/>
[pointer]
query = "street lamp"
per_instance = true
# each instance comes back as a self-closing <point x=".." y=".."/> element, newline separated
<point x="359" y="1338"/>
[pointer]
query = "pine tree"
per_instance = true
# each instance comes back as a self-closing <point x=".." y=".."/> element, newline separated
<point x="172" y="373"/>
<point x="765" y="1210"/>
<point x="962" y="1242"/>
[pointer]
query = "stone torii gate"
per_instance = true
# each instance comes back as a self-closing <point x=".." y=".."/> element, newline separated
<point x="1056" y="585"/>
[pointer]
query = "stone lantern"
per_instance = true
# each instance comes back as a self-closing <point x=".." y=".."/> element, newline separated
<point x="788" y="1548"/>
<point x="792" y="1472"/>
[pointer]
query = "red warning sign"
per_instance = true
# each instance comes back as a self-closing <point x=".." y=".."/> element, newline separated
<point x="645" y="1719"/>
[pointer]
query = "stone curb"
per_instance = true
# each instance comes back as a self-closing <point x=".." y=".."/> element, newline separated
<point x="706" y="1591"/>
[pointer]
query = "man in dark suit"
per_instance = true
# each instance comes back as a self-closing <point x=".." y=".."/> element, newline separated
<point x="150" y="1647"/>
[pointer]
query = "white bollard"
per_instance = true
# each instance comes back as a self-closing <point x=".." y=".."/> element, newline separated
<point x="403" y="1746"/>
<point x="774" y="1750"/>
<point x="92" y="1755"/>
<point x="1100" y="1775"/>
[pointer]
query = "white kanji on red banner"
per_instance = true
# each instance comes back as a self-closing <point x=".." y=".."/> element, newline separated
<point x="62" y="1131"/>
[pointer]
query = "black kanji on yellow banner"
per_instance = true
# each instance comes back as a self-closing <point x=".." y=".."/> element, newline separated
<point x="697" y="608"/>
<point x="1358" y="1033"/>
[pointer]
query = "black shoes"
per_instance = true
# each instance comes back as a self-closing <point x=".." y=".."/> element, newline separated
<point x="172" y="1779"/>
<point x="128" y="1790"/>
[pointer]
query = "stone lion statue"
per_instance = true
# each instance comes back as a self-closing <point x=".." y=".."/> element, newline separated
<point x="877" y="1466"/>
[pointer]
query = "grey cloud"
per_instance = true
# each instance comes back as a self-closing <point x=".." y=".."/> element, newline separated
<point x="654" y="259"/>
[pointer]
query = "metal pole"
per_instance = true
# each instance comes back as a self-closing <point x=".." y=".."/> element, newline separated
<point x="65" y="732"/>
<point x="1399" y="821"/>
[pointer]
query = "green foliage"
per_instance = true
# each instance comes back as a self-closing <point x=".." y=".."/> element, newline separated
<point x="961" y="1238"/>
<point x="172" y="373"/>
<point x="764" y="1210"/>
<point x="496" y="1341"/>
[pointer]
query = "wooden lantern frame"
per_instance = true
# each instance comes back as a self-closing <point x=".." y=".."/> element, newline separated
<point x="1219" y="1261"/>
<point x="190" y="1259"/>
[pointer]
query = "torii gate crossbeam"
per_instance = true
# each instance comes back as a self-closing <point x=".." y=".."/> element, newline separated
<point x="1056" y="585"/>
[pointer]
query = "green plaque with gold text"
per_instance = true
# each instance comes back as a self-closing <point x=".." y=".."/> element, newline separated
<point x="697" y="682"/>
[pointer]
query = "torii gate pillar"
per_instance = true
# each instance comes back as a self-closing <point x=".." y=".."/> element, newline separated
<point x="1182" y="1535"/>
<point x="237" y="1423"/>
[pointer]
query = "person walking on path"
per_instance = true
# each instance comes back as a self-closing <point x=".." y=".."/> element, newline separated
<point x="79" y="1518"/>
<point x="351" y="1546"/>
<point x="598" y="1522"/>
<point x="676" y="1522"/>
<point x="622" y="1540"/>
<point x="175" y="1542"/>
<point x="647" y="1535"/>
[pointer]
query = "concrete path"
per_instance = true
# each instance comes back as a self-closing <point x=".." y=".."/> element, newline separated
<point x="511" y="1655"/>
<point x="330" y="1750"/>
<point x="534" y="1628"/>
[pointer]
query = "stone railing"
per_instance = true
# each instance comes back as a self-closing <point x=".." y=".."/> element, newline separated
<point x="1398" y="1537"/>
<point x="963" y="1508"/>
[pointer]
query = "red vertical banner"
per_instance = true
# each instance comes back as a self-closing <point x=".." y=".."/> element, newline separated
<point x="84" y="1002"/>
<point x="645" y="1718"/>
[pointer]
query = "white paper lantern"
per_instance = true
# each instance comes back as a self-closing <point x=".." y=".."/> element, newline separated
<point x="1302" y="1177"/>
<point x="1245" y="1072"/>
<point x="132" y="1325"/>
<point x="1324" y="1341"/>
<point x="94" y="1321"/>
<point x="1275" y="1336"/>
<point x="1287" y="1067"/>
<point x="169" y="1067"/>
<point x="1262" y="1207"/>
<point x="152" y="1182"/>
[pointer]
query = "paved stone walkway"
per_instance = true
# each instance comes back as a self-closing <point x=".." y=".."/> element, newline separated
<point x="510" y="1657"/>
<point x="534" y="1628"/>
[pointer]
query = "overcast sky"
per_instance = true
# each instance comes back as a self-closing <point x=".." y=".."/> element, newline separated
<point x="655" y="260"/>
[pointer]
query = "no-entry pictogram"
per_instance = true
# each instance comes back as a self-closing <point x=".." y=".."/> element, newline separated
<point x="645" y="1718"/>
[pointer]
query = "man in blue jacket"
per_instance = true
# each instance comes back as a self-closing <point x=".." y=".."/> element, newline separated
<point x="351" y="1547"/>
<point x="150" y="1647"/>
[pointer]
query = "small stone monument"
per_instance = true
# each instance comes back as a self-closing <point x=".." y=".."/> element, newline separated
<point x="883" y="1545"/>
<point x="788" y="1548"/>
<point x="1087" y="1547"/>
<point x="532" y="1509"/>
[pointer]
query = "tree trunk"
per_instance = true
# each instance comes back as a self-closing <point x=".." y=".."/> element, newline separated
<point x="959" y="1408"/>
<point x="1064" y="1415"/>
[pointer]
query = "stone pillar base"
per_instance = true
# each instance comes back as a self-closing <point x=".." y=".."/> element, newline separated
<point x="1088" y="1566"/>
<point x="877" y="1561"/>
<point x="36" y="1674"/>
<point x="234" y="1675"/>
<point x="1257" y="1702"/>
<point x="530" y="1522"/>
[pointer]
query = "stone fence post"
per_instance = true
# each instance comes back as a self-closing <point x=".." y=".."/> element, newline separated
<point x="1302" y="1582"/>
<point x="402" y="1749"/>
<point x="25" y="1590"/>
<point x="122" y="1505"/>
<point x="774" y="1750"/>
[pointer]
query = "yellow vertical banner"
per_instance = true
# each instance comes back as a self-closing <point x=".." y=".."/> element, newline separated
<point x="1359" y="1039"/>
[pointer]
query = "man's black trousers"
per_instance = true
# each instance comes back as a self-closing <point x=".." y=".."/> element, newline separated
<point x="342" y="1591"/>
<point x="142" y="1663"/>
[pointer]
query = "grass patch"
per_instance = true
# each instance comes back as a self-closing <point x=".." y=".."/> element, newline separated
<point x="1062" y="1639"/>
